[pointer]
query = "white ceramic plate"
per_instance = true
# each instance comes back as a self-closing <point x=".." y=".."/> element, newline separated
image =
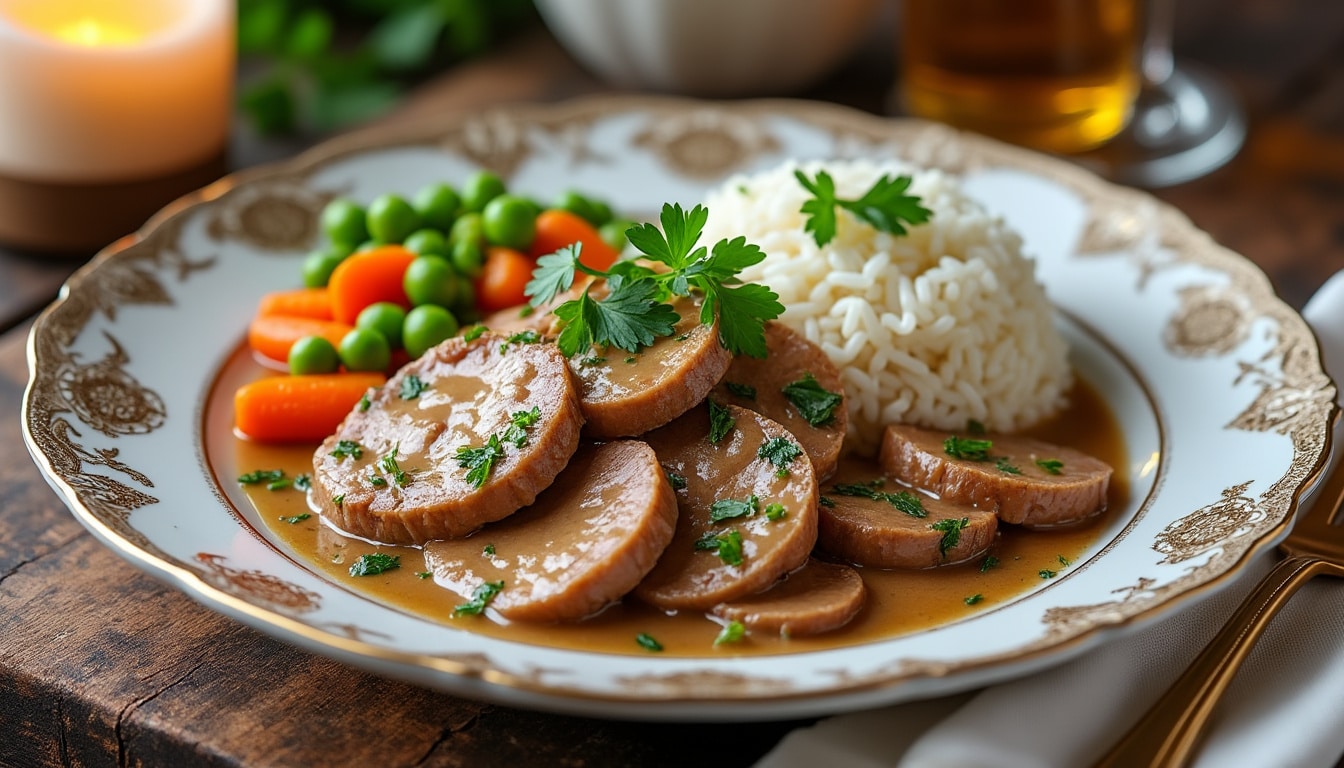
<point x="1217" y="383"/>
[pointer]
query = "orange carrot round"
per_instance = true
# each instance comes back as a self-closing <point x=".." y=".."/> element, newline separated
<point x="272" y="335"/>
<point x="503" y="279"/>
<point x="558" y="228"/>
<point x="298" y="302"/>
<point x="368" y="277"/>
<point x="298" y="409"/>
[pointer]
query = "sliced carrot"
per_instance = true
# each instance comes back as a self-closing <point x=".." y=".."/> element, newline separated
<point x="365" y="278"/>
<point x="272" y="335"/>
<point x="298" y="409"/>
<point x="503" y="279"/>
<point x="558" y="228"/>
<point x="299" y="302"/>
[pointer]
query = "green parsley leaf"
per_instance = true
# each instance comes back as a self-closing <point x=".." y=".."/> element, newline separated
<point x="347" y="449"/>
<point x="743" y="311"/>
<point x="903" y="501"/>
<point x="884" y="207"/>
<point x="907" y="502"/>
<point x="364" y="402"/>
<point x="1053" y="466"/>
<point x="303" y="482"/>
<point x="388" y="463"/>
<point x="728" y="546"/>
<point x="741" y="390"/>
<point x="1001" y="464"/>
<point x="375" y="563"/>
<point x="674" y="243"/>
<point x="779" y="451"/>
<point x="825" y="501"/>
<point x="278" y="484"/>
<point x="1064" y="561"/>
<point x="474" y="332"/>
<point x="732" y="632"/>
<point x="727" y="509"/>
<point x="528" y="336"/>
<point x="338" y="499"/>
<point x="412" y="387"/>
<point x="261" y="476"/>
<point x="377" y="481"/>
<point x="678" y="482"/>
<point x="813" y="402"/>
<point x="591" y="360"/>
<point x="973" y="599"/>
<point x="820" y="207"/>
<point x="295" y="519"/>
<point x="422" y="575"/>
<point x="480" y="598"/>
<point x="720" y="422"/>
<point x="951" y="529"/>
<point x="488" y="550"/>
<point x="775" y="511"/>
<point x="519" y="423"/>
<point x="989" y="562"/>
<point x="554" y="275"/>
<point x="1046" y="573"/>
<point x="967" y="448"/>
<point x="647" y="642"/>
<point x="479" y="461"/>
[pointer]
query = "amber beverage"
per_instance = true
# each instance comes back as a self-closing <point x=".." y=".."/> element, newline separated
<point x="1056" y="75"/>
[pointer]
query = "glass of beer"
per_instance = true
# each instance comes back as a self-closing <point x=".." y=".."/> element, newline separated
<point x="1056" y="75"/>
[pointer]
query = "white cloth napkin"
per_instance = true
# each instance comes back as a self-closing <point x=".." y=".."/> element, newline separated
<point x="1285" y="707"/>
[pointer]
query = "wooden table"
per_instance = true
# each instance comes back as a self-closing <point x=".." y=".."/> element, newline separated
<point x="102" y="665"/>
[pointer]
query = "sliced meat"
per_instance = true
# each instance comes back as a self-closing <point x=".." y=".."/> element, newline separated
<point x="870" y="521"/>
<point x="816" y="598"/>
<point x="624" y="393"/>
<point x="759" y="384"/>
<point x="588" y="539"/>
<point x="1024" y="481"/>
<point x="700" y="568"/>
<point x="392" y="471"/>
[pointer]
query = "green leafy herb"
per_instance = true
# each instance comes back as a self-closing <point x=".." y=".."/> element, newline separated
<point x="951" y="529"/>
<point x="630" y="359"/>
<point x="338" y="499"/>
<point x="989" y="562"/>
<point x="647" y="642"/>
<point x="728" y="546"/>
<point x="775" y="511"/>
<point x="592" y="360"/>
<point x="488" y="550"/>
<point x="720" y="422"/>
<point x="967" y="448"/>
<point x="279" y="484"/>
<point x="727" y="509"/>
<point x="732" y="632"/>
<point x="389" y="464"/>
<point x="779" y="451"/>
<point x="480" y="598"/>
<point x="347" y="449"/>
<point x="295" y="519"/>
<point x="377" y="481"/>
<point x="903" y="501"/>
<point x="813" y="402"/>
<point x="474" y="332"/>
<point x="412" y="387"/>
<point x="678" y="482"/>
<point x="1001" y="464"/>
<point x="375" y="563"/>
<point x="479" y="461"/>
<point x="1046" y="573"/>
<point x="519" y="423"/>
<point x="884" y="207"/>
<point x="364" y="402"/>
<point x="741" y="390"/>
<point x="825" y="501"/>
<point x="973" y="599"/>
<point x="528" y="336"/>
<point x="303" y="482"/>
<point x="1053" y="466"/>
<point x="261" y="476"/>
<point x="1064" y="561"/>
<point x="422" y="575"/>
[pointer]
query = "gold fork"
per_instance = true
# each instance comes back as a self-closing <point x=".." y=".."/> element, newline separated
<point x="1170" y="733"/>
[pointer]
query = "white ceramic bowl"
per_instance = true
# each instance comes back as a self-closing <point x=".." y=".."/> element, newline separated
<point x="711" y="47"/>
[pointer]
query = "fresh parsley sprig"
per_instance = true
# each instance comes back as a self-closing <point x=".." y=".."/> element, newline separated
<point x="635" y="310"/>
<point x="885" y="206"/>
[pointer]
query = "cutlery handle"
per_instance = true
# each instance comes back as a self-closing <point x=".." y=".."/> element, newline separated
<point x="1169" y="733"/>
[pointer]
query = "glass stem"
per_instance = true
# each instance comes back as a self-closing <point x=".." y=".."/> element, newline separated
<point x="1157" y="63"/>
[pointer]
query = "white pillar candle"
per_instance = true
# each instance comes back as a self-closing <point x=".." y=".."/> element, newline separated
<point x="95" y="91"/>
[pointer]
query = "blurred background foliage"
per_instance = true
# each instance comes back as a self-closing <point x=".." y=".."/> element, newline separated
<point x="312" y="66"/>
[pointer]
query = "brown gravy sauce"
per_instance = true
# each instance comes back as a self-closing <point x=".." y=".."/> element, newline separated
<point x="899" y="602"/>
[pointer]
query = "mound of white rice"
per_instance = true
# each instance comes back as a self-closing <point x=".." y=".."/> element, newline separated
<point x="934" y="328"/>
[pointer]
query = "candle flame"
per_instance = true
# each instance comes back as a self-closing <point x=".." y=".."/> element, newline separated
<point x="92" y="33"/>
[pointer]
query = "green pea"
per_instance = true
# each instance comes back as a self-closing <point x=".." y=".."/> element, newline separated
<point x="313" y="354"/>
<point x="613" y="233"/>
<point x="385" y="318"/>
<point x="318" y="266"/>
<point x="467" y="258"/>
<point x="510" y="221"/>
<point x="343" y="221"/>
<point x="480" y="188"/>
<point x="430" y="280"/>
<point x="426" y="241"/>
<point x="438" y="205"/>
<point x="594" y="212"/>
<point x="426" y="326"/>
<point x="464" y="303"/>
<point x="470" y="228"/>
<point x="363" y="349"/>
<point x="367" y="245"/>
<point x="390" y="218"/>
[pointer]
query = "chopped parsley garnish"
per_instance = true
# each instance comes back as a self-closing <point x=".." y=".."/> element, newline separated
<point x="1053" y="466"/>
<point x="295" y="519"/>
<point x="814" y="403"/>
<point x="973" y="599"/>
<point x="278" y="485"/>
<point x="591" y="361"/>
<point x="732" y="632"/>
<point x="261" y="476"/>
<point x="1046" y="573"/>
<point x="377" y="481"/>
<point x="779" y="451"/>
<point x="904" y="501"/>
<point x="347" y="449"/>
<point x="480" y="598"/>
<point x="522" y="337"/>
<point x="1064" y="561"/>
<point x="635" y="311"/>
<point x="412" y="387"/>
<point x="647" y="642"/>
<point x="775" y="511"/>
<point x="727" y="509"/>
<point x="678" y="482"/>
<point x="989" y="562"/>
<point x="825" y="501"/>
<point x="389" y="465"/>
<point x="375" y="563"/>
<point x="884" y="207"/>
<point x="519" y="423"/>
<point x="1001" y="464"/>
<point x="488" y="550"/>
<point x="338" y="499"/>
<point x="422" y="575"/>
<point x="741" y="390"/>
<point x="474" y="332"/>
<point x="479" y="461"/>
<point x="630" y="358"/>
<point x="967" y="448"/>
<point x="951" y="529"/>
<point x="364" y="402"/>
<point x="728" y="546"/>
<point x="720" y="422"/>
<point x="303" y="482"/>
